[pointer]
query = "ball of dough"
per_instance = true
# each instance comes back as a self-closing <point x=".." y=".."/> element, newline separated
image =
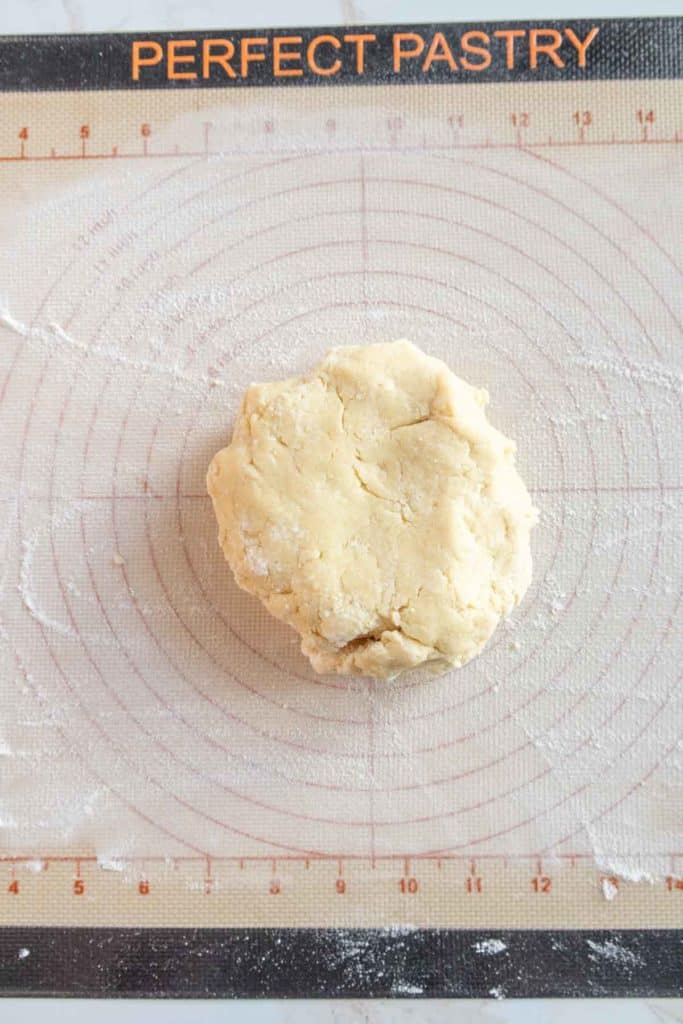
<point x="372" y="506"/>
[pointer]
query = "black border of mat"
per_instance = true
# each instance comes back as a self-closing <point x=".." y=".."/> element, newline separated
<point x="624" y="48"/>
<point x="338" y="963"/>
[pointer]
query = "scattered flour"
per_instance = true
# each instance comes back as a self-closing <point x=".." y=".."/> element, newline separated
<point x="28" y="595"/>
<point x="645" y="373"/>
<point x="46" y="337"/>
<point x="609" y="889"/>
<point x="36" y="866"/>
<point x="107" y="864"/>
<point x="403" y="988"/>
<point x="612" y="951"/>
<point x="30" y="576"/>
<point x="12" y="324"/>
<point x="490" y="947"/>
<point x="631" y="870"/>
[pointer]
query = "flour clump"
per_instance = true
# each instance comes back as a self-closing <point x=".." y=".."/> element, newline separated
<point x="372" y="506"/>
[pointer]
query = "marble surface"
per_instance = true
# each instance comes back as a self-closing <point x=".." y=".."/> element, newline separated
<point x="410" y="1011"/>
<point x="105" y="15"/>
<point x="124" y="15"/>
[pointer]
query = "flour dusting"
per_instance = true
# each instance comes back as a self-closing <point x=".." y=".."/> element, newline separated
<point x="645" y="373"/>
<point x="631" y="869"/>
<point x="46" y="337"/>
<point x="12" y="324"/>
<point x="490" y="947"/>
<point x="404" y="988"/>
<point x="35" y="866"/>
<point x="108" y="864"/>
<point x="29" y="595"/>
<point x="613" y="952"/>
<point x="609" y="889"/>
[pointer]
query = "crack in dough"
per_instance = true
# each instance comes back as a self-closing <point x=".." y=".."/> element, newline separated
<point x="373" y="507"/>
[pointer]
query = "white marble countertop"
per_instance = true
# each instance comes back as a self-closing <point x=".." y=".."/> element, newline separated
<point x="105" y="15"/>
<point x="356" y="1011"/>
<point x="126" y="15"/>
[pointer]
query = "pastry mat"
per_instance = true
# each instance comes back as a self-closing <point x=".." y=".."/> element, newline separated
<point x="178" y="789"/>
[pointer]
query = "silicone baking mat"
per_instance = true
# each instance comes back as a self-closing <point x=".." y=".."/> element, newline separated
<point x="185" y="807"/>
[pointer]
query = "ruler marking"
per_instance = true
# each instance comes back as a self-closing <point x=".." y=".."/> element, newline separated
<point x="178" y="153"/>
<point x="109" y="892"/>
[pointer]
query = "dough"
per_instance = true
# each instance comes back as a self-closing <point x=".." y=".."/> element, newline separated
<point x="373" y="507"/>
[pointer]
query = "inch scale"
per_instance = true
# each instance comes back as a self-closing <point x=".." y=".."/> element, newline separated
<point x="90" y="126"/>
<point x="457" y="892"/>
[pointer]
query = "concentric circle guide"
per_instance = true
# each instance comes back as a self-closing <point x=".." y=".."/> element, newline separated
<point x="168" y="756"/>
